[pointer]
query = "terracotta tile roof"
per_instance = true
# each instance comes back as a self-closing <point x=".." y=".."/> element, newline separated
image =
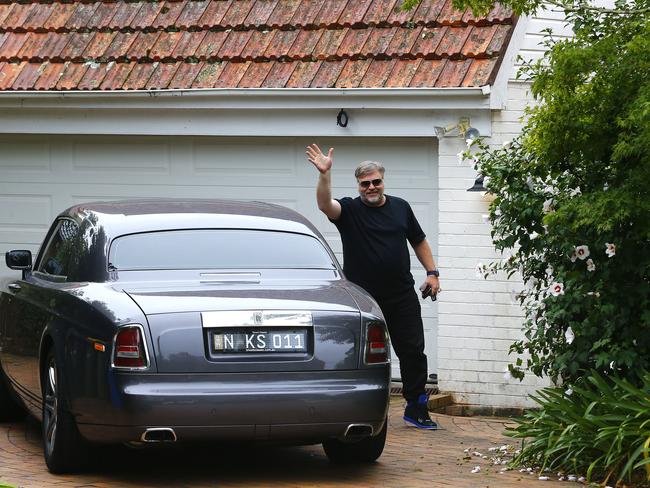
<point x="150" y="44"/>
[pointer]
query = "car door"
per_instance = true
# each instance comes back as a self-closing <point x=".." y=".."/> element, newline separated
<point x="29" y="308"/>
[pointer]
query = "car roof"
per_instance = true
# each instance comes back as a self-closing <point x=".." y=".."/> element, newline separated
<point x="154" y="214"/>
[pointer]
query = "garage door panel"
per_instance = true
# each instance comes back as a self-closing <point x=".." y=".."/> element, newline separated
<point x="120" y="158"/>
<point x="15" y="160"/>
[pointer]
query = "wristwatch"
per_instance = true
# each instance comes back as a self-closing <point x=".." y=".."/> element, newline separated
<point x="434" y="272"/>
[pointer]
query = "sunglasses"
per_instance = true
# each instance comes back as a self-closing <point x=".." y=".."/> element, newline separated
<point x="366" y="184"/>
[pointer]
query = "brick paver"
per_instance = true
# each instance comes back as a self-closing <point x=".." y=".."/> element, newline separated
<point x="412" y="458"/>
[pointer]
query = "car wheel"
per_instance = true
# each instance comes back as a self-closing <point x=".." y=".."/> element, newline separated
<point x="63" y="446"/>
<point x="10" y="408"/>
<point x="366" y="450"/>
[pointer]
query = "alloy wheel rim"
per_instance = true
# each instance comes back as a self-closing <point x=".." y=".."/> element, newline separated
<point x="50" y="407"/>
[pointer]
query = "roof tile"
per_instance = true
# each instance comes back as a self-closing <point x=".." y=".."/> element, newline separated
<point x="329" y="43"/>
<point x="188" y="44"/>
<point x="478" y="41"/>
<point x="330" y="12"/>
<point x="232" y="74"/>
<point x="378" y="41"/>
<point x="211" y="44"/>
<point x="169" y="13"/>
<point x="352" y="73"/>
<point x="77" y="45"/>
<point x="138" y="76"/>
<point x="61" y="12"/>
<point x="99" y="44"/>
<point x="303" y="74"/>
<point x="237" y="13"/>
<point x="3" y="38"/>
<point x="125" y="14"/>
<point x="255" y="75"/>
<point x="50" y="76"/>
<point x="403" y="41"/>
<point x="450" y="15"/>
<point x="480" y="72"/>
<point x="142" y="46"/>
<point x="165" y="45"/>
<point x="281" y="44"/>
<point x="377" y="73"/>
<point x="185" y="75"/>
<point x="234" y="44"/>
<point x="146" y="15"/>
<point x="327" y="74"/>
<point x="378" y="12"/>
<point x="428" y="41"/>
<point x="307" y="13"/>
<point x="427" y="12"/>
<point x="93" y="77"/>
<point x="115" y="76"/>
<point x="81" y="15"/>
<point x="5" y="10"/>
<point x="9" y="73"/>
<point x="427" y="73"/>
<point x="162" y="75"/>
<point x="103" y="15"/>
<point x="354" y="13"/>
<point x="208" y="76"/>
<point x="260" y="13"/>
<point x="16" y="16"/>
<point x="12" y="45"/>
<point x="453" y="73"/>
<point x="403" y="72"/>
<point x="279" y="75"/>
<point x="52" y="46"/>
<point x="31" y="46"/>
<point x="499" y="40"/>
<point x="304" y="44"/>
<point x="191" y="13"/>
<point x="353" y="41"/>
<point x="28" y="76"/>
<point x="119" y="48"/>
<point x="452" y="42"/>
<point x="499" y="14"/>
<point x="72" y="73"/>
<point x="257" y="44"/>
<point x="399" y="16"/>
<point x="283" y="12"/>
<point x="38" y="16"/>
<point x="213" y="13"/>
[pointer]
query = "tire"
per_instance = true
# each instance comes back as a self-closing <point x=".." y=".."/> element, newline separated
<point x="64" y="449"/>
<point x="366" y="450"/>
<point x="10" y="408"/>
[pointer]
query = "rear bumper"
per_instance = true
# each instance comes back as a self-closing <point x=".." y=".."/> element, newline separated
<point x="300" y="407"/>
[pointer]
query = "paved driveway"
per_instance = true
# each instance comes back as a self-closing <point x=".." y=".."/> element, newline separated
<point x="412" y="458"/>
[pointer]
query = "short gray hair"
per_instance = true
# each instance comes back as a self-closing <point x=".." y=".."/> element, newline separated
<point x="367" y="167"/>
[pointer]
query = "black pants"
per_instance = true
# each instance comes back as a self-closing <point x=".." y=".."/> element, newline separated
<point x="404" y="320"/>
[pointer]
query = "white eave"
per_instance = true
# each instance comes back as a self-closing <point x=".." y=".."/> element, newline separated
<point x="244" y="112"/>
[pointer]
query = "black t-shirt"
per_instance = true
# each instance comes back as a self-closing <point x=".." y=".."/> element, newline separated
<point x="375" y="253"/>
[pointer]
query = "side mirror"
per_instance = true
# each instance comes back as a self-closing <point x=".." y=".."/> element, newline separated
<point x="20" y="259"/>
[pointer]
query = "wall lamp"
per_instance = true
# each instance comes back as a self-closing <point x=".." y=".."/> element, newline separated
<point x="462" y="128"/>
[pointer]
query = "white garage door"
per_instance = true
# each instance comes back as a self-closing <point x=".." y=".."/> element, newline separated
<point x="42" y="175"/>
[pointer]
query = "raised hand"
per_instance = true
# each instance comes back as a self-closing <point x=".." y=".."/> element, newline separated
<point x="318" y="159"/>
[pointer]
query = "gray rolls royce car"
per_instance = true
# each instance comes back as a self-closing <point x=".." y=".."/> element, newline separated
<point x="161" y="321"/>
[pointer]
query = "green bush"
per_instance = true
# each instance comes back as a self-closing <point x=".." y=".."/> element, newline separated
<point x="600" y="428"/>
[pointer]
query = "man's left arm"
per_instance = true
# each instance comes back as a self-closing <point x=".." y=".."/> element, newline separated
<point x="424" y="255"/>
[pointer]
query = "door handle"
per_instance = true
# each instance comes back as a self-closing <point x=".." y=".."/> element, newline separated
<point x="13" y="286"/>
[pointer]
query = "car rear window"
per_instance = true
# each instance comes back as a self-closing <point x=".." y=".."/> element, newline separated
<point x="218" y="248"/>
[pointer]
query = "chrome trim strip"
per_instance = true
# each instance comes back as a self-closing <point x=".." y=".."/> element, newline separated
<point x="146" y="350"/>
<point x="158" y="429"/>
<point x="256" y="318"/>
<point x="231" y="278"/>
<point x="372" y="431"/>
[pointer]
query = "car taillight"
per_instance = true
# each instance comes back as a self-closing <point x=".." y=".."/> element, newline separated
<point x="377" y="345"/>
<point x="129" y="348"/>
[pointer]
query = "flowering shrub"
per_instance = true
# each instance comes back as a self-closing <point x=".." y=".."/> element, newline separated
<point x="571" y="208"/>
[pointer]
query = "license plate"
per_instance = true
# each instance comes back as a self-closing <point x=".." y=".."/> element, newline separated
<point x="259" y="341"/>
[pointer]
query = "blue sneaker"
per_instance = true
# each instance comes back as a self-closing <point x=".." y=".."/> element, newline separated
<point x="416" y="413"/>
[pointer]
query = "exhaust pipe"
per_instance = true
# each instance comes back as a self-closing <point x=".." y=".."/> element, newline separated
<point x="159" y="434"/>
<point x="357" y="431"/>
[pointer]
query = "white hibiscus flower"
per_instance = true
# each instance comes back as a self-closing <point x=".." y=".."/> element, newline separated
<point x="568" y="392"/>
<point x="507" y="144"/>
<point x="590" y="265"/>
<point x="556" y="289"/>
<point x="582" y="252"/>
<point x="574" y="256"/>
<point x="548" y="205"/>
<point x="461" y="157"/>
<point x="480" y="270"/>
<point x="610" y="249"/>
<point x="569" y="335"/>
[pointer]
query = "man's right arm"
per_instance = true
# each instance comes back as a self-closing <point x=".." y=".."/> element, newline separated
<point x="323" y="164"/>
